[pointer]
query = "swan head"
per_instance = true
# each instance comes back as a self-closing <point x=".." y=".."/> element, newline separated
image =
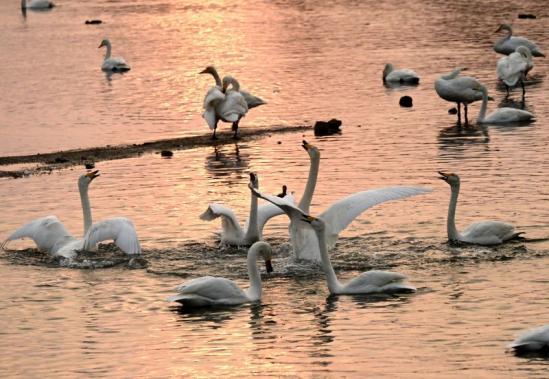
<point x="85" y="180"/>
<point x="316" y="223"/>
<point x="524" y="51"/>
<point x="105" y="42"/>
<point x="311" y="149"/>
<point x="229" y="80"/>
<point x="209" y="70"/>
<point x="450" y="178"/>
<point x="254" y="180"/>
<point x="504" y="27"/>
<point x="387" y="70"/>
<point x="266" y="252"/>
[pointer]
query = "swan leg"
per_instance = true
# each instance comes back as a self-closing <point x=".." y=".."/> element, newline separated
<point x="522" y="85"/>
<point x="213" y="135"/>
<point x="465" y="112"/>
<point x="235" y="128"/>
<point x="507" y="88"/>
<point x="459" y="114"/>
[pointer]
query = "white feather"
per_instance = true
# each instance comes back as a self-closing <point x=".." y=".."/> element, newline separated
<point x="46" y="232"/>
<point x="119" y="229"/>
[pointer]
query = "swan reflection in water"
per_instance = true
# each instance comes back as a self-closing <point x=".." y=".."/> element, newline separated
<point x="456" y="137"/>
<point x="223" y="162"/>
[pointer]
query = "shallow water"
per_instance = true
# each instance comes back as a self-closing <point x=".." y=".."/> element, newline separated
<point x="310" y="61"/>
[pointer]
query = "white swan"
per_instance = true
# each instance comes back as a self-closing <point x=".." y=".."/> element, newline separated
<point x="216" y="291"/>
<point x="458" y="89"/>
<point x="232" y="233"/>
<point x="36" y="4"/>
<point x="513" y="68"/>
<point x="479" y="233"/>
<point x="402" y="76"/>
<point x="508" y="44"/>
<point x="532" y="340"/>
<point x="51" y="236"/>
<point x="225" y="105"/>
<point x="340" y="214"/>
<point x="501" y="115"/>
<point x="251" y="100"/>
<point x="114" y="64"/>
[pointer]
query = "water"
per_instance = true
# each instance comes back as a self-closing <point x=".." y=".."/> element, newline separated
<point x="310" y="61"/>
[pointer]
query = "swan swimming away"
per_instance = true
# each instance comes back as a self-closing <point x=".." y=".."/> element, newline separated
<point x="480" y="233"/>
<point x="251" y="100"/>
<point x="225" y="105"/>
<point x="51" y="236"/>
<point x="36" y="4"/>
<point x="217" y="291"/>
<point x="458" y="89"/>
<point x="508" y="44"/>
<point x="532" y="340"/>
<point x="114" y="64"/>
<point x="402" y="76"/>
<point x="513" y="68"/>
<point x="232" y="233"/>
<point x="504" y="115"/>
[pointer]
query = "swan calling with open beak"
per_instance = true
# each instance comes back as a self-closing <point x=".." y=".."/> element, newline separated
<point x="112" y="64"/>
<point x="216" y="291"/>
<point x="508" y="44"/>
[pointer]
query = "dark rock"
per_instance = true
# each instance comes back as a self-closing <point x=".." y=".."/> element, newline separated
<point x="526" y="15"/>
<point x="452" y="111"/>
<point x="166" y="153"/>
<point x="61" y="160"/>
<point x="326" y="128"/>
<point x="93" y="22"/>
<point x="406" y="101"/>
<point x="89" y="165"/>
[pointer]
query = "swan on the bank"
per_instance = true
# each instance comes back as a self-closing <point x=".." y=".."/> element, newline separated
<point x="114" y="64"/>
<point x="479" y="233"/>
<point x="513" y="68"/>
<point x="508" y="44"/>
<point x="402" y="76"/>
<point x="218" y="291"/>
<point x="51" y="236"/>
<point x="532" y="340"/>
<point x="36" y="4"/>
<point x="232" y="233"/>
<point x="458" y="89"/>
<point x="501" y="115"/>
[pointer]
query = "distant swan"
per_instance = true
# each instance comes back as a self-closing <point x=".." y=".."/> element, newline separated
<point x="461" y="90"/>
<point x="402" y="76"/>
<point x="51" y="236"/>
<point x="479" y="233"/>
<point x="513" y="68"/>
<point x="501" y="115"/>
<point x="216" y="291"/>
<point x="532" y="340"/>
<point x="508" y="44"/>
<point x="36" y="4"/>
<point x="114" y="64"/>
<point x="232" y="233"/>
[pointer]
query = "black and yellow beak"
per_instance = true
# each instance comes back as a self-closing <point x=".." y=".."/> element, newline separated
<point x="253" y="177"/>
<point x="306" y="145"/>
<point x="205" y="71"/>
<point x="268" y="266"/>
<point x="93" y="174"/>
<point x="443" y="176"/>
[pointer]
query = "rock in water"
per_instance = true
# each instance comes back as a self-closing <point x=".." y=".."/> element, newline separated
<point x="406" y="101"/>
<point x="326" y="128"/>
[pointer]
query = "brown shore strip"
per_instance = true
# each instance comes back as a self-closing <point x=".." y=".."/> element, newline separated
<point x="63" y="159"/>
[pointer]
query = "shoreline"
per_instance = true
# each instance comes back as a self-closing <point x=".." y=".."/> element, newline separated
<point x="63" y="159"/>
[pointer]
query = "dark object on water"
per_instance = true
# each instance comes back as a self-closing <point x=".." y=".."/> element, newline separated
<point x="61" y="160"/>
<point x="284" y="191"/>
<point x="326" y="128"/>
<point x="166" y="153"/>
<point x="89" y="165"/>
<point x="406" y="101"/>
<point x="526" y="15"/>
<point x="452" y="111"/>
<point x="93" y="22"/>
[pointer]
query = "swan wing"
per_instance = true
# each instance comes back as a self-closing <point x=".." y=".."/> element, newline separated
<point x="340" y="214"/>
<point x="267" y="211"/>
<point x="119" y="229"/>
<point x="45" y="232"/>
<point x="511" y="68"/>
<point x="488" y="232"/>
<point x="532" y="339"/>
<point x="286" y="204"/>
<point x="229" y="222"/>
<point x="213" y="97"/>
<point x="403" y="74"/>
<point x="251" y="100"/>
<point x="376" y="278"/>
<point x="233" y="108"/>
<point x="211" y="287"/>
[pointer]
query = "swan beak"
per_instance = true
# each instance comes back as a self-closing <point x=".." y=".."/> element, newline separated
<point x="268" y="266"/>
<point x="306" y="145"/>
<point x="443" y="176"/>
<point x="92" y="175"/>
<point x="205" y="71"/>
<point x="253" y="177"/>
<point x="498" y="29"/>
<point x="100" y="46"/>
<point x="308" y="218"/>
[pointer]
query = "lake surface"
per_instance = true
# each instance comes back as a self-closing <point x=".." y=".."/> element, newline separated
<point x="310" y="61"/>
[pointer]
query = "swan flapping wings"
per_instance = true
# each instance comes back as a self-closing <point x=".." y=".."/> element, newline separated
<point x="119" y="229"/>
<point x="46" y="232"/>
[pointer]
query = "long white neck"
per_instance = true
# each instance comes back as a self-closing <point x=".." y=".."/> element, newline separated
<point x="254" y="291"/>
<point x="108" y="53"/>
<point x="333" y="284"/>
<point x="305" y="201"/>
<point x="86" y="209"/>
<point x="453" y="234"/>
<point x="252" y="234"/>
<point x="482" y="112"/>
<point x="455" y="72"/>
<point x="216" y="77"/>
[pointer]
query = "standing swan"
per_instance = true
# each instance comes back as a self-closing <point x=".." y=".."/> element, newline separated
<point x="513" y="68"/>
<point x="216" y="291"/>
<point x="508" y="44"/>
<point x="114" y="64"/>
<point x="479" y="233"/>
<point x="533" y="340"/>
<point x="51" y="236"/>
<point x="402" y="76"/>
<point x="36" y="4"/>
<point x="501" y="115"/>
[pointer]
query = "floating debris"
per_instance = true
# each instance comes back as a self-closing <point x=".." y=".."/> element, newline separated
<point x="527" y="15"/>
<point x="93" y="22"/>
<point x="166" y="153"/>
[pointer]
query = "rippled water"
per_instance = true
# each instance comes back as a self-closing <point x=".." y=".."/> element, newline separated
<point x="310" y="61"/>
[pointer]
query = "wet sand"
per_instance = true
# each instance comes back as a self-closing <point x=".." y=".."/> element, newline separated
<point x="62" y="159"/>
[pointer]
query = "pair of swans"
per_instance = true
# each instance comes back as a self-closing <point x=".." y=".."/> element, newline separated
<point x="112" y="64"/>
<point x="36" y="4"/>
<point x="508" y="44"/>
<point x="400" y="76"/>
<point x="513" y="68"/>
<point x="218" y="291"/>
<point x="503" y="115"/>
<point x="459" y="89"/>
<point x="51" y="236"/>
<point x="479" y="233"/>
<point x="232" y="233"/>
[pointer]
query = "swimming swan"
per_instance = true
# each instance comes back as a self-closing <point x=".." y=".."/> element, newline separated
<point x="508" y="44"/>
<point x="50" y="235"/>
<point x="114" y="64"/>
<point x="216" y="291"/>
<point x="36" y="4"/>
<point x="513" y="68"/>
<point x="479" y="233"/>
<point x="532" y="340"/>
<point x="501" y="115"/>
<point x="402" y="76"/>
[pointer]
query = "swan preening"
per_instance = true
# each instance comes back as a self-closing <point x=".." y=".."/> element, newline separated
<point x="402" y="76"/>
<point x="532" y="340"/>
<point x="232" y="233"/>
<point x="459" y="89"/>
<point x="36" y="4"/>
<point x="508" y="44"/>
<point x="216" y="291"/>
<point x="51" y="236"/>
<point x="479" y="233"/>
<point x="504" y="115"/>
<point x="112" y="64"/>
<point x="513" y="68"/>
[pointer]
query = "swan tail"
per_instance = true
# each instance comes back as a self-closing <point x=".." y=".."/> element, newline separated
<point x="251" y="100"/>
<point x="189" y="300"/>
